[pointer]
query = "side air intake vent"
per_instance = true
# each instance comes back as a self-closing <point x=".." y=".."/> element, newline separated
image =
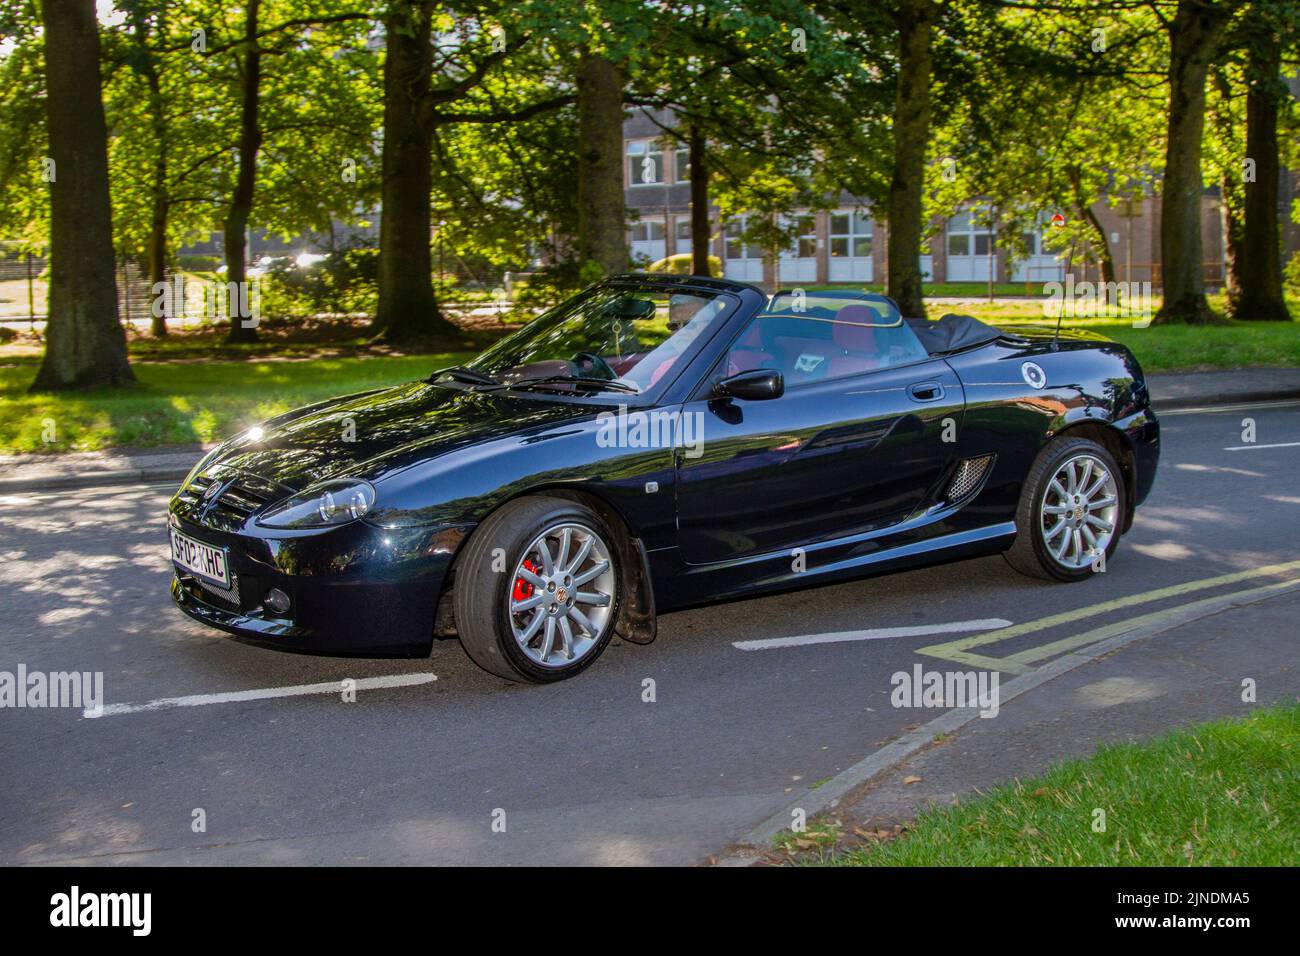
<point x="967" y="479"/>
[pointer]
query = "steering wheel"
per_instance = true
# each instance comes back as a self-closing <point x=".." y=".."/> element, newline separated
<point x="588" y="362"/>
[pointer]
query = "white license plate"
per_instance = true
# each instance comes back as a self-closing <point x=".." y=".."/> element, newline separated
<point x="199" y="558"/>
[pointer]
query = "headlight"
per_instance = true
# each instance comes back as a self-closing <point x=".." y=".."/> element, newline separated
<point x="321" y="506"/>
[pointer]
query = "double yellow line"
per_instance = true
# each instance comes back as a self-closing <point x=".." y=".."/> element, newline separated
<point x="1020" y="662"/>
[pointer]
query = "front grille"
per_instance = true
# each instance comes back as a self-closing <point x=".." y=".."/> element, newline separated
<point x="236" y="504"/>
<point x="244" y="595"/>
<point x="192" y="494"/>
<point x="225" y="598"/>
<point x="970" y="472"/>
<point x="240" y="496"/>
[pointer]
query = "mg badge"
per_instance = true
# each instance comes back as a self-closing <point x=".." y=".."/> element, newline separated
<point x="1033" y="375"/>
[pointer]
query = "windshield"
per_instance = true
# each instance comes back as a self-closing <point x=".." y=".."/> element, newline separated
<point x="863" y="308"/>
<point x="630" y="337"/>
<point x="811" y="336"/>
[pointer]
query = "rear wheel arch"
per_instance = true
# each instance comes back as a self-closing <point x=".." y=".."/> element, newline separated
<point x="1117" y="443"/>
<point x="1093" y="516"/>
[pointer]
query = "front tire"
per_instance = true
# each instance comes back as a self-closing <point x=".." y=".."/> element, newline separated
<point x="537" y="591"/>
<point x="1070" y="513"/>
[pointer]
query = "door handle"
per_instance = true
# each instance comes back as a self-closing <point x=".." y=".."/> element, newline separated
<point x="925" y="391"/>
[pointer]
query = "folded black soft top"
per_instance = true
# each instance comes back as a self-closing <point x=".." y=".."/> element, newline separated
<point x="952" y="333"/>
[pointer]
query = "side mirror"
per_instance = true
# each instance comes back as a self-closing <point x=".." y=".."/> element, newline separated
<point x="755" y="385"/>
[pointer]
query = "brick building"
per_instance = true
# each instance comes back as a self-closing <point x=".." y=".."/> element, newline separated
<point x="848" y="243"/>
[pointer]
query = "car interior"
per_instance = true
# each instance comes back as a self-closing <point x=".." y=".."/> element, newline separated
<point x="824" y="342"/>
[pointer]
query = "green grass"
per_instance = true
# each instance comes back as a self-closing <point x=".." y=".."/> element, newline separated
<point x="1165" y="348"/>
<point x="971" y="289"/>
<point x="1158" y="348"/>
<point x="1222" y="793"/>
<point x="188" y="402"/>
<point x="195" y="387"/>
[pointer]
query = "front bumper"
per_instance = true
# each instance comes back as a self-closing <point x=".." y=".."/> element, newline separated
<point x="353" y="590"/>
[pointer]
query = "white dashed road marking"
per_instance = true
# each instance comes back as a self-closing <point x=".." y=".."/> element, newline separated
<point x="878" y="634"/>
<point x="1220" y="409"/>
<point x="266" y="693"/>
<point x="1285" y="444"/>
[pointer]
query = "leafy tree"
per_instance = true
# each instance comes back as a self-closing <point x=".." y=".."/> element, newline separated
<point x="161" y="147"/>
<point x="24" y="205"/>
<point x="769" y="100"/>
<point x="434" y="80"/>
<point x="1079" y="133"/>
<point x="1195" y="32"/>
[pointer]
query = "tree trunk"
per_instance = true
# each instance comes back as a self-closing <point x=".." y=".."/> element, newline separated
<point x="407" y="307"/>
<point x="1260" y="296"/>
<point x="602" y="230"/>
<point x="1230" y="223"/>
<point x="1229" y="191"/>
<point x="243" y="327"/>
<point x="911" y="132"/>
<point x="85" y="342"/>
<point x="1083" y="209"/>
<point x="1194" y="36"/>
<point x="699" y="205"/>
<point x="157" y="252"/>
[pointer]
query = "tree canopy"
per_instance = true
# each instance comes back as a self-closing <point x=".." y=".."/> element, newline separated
<point x="490" y="132"/>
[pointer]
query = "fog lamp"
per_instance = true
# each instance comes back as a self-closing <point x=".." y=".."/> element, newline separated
<point x="276" y="601"/>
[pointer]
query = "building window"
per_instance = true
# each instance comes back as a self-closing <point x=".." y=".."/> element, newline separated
<point x="648" y="243"/>
<point x="651" y="230"/>
<point x="645" y="161"/>
<point x="744" y="260"/>
<point x="737" y="249"/>
<point x="683" y="164"/>
<point x="804" y="245"/>
<point x="968" y="237"/>
<point x="683" y="235"/>
<point x="850" y="235"/>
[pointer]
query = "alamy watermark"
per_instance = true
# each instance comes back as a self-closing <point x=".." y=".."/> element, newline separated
<point x="653" y="429"/>
<point x="183" y="297"/>
<point x="1079" y="300"/>
<point x="130" y="910"/>
<point x="40" y="689"/>
<point x="946" y="690"/>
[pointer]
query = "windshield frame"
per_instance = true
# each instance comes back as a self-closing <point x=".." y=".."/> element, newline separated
<point x="731" y="293"/>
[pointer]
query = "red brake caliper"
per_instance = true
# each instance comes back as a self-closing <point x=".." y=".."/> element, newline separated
<point x="523" y="587"/>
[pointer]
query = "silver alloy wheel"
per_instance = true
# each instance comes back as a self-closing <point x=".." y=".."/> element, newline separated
<point x="561" y="595"/>
<point x="1079" y="511"/>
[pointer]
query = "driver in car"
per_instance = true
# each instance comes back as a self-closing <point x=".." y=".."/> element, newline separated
<point x="688" y="316"/>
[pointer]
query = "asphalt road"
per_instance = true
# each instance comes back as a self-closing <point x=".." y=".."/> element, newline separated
<point x="470" y="769"/>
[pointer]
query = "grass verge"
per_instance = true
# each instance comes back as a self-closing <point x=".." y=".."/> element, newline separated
<point x="188" y="402"/>
<point x="1166" y="348"/>
<point x="197" y="387"/>
<point x="1216" y="794"/>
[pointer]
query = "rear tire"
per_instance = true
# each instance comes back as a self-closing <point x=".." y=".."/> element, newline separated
<point x="536" y="593"/>
<point x="1071" y="510"/>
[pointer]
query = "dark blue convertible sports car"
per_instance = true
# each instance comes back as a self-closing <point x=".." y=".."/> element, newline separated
<point x="656" y="443"/>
